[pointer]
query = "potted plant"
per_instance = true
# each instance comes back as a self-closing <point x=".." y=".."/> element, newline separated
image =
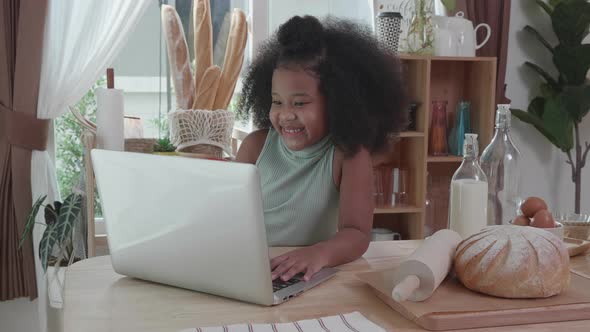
<point x="56" y="247"/>
<point x="163" y="146"/>
<point x="565" y="100"/>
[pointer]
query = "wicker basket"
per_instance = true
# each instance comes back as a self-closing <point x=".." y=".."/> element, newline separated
<point x="201" y="133"/>
<point x="142" y="145"/>
<point x="576" y="226"/>
<point x="203" y="151"/>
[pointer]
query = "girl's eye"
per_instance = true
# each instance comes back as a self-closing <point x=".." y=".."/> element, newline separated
<point x="300" y="103"/>
<point x="276" y="102"/>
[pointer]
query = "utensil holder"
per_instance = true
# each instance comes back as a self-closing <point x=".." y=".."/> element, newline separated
<point x="389" y="29"/>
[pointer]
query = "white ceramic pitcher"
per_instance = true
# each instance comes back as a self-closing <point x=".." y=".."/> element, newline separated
<point x="445" y="39"/>
<point x="466" y="35"/>
<point x="455" y="36"/>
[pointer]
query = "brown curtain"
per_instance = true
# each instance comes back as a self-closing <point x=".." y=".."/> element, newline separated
<point x="22" y="23"/>
<point x="496" y="13"/>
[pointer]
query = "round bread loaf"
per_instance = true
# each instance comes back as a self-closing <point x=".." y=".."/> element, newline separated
<point x="513" y="262"/>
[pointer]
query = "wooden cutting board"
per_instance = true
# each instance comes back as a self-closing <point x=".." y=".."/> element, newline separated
<point x="452" y="306"/>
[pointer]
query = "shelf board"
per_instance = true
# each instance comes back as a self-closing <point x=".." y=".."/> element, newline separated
<point x="411" y="134"/>
<point x="444" y="159"/>
<point x="396" y="209"/>
<point x="404" y="56"/>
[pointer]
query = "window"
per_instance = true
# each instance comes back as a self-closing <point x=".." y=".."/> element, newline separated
<point x="141" y="69"/>
<point x="281" y="10"/>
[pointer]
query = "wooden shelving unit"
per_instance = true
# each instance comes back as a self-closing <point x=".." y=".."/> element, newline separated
<point x="437" y="78"/>
<point x="444" y="159"/>
<point x="411" y="134"/>
<point x="401" y="209"/>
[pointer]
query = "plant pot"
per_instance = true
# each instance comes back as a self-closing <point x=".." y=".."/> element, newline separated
<point x="55" y="285"/>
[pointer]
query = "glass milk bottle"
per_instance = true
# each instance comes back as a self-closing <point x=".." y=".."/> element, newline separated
<point x="499" y="161"/>
<point x="469" y="191"/>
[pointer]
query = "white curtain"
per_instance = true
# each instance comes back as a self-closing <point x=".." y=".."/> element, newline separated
<point x="81" y="39"/>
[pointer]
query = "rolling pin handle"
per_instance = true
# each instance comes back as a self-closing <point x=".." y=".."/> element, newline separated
<point x="404" y="289"/>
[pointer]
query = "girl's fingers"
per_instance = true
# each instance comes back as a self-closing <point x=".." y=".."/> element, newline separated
<point x="311" y="270"/>
<point x="277" y="261"/>
<point x="293" y="271"/>
<point x="282" y="268"/>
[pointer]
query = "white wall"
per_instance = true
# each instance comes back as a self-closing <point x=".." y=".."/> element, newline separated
<point x="544" y="170"/>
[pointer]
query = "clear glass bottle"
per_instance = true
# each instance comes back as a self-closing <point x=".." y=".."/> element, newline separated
<point x="499" y="162"/>
<point x="420" y="36"/>
<point x="469" y="190"/>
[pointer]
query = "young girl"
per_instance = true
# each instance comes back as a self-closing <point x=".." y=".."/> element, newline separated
<point x="326" y="96"/>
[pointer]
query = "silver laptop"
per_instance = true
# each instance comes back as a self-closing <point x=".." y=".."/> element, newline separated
<point x="191" y="223"/>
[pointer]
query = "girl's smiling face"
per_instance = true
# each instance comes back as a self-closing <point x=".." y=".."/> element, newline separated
<point x="298" y="108"/>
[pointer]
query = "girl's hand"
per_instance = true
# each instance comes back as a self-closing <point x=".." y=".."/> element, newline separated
<point x="309" y="260"/>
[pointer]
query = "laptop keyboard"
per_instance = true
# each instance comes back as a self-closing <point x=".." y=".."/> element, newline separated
<point x="279" y="284"/>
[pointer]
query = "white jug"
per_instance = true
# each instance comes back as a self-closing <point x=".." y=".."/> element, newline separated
<point x="445" y="39"/>
<point x="466" y="44"/>
<point x="455" y="36"/>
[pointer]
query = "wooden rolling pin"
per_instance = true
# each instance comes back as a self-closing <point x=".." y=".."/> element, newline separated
<point x="419" y="276"/>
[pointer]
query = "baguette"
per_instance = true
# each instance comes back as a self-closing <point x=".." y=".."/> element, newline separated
<point x="203" y="39"/>
<point x="178" y="57"/>
<point x="208" y="89"/>
<point x="234" y="57"/>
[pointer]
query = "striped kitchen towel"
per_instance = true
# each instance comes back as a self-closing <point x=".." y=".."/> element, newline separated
<point x="351" y="322"/>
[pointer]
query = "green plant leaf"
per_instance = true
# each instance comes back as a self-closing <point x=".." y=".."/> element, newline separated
<point x="547" y="90"/>
<point x="573" y="62"/>
<point x="46" y="244"/>
<point x="576" y="100"/>
<point x="570" y="20"/>
<point x="69" y="212"/>
<point x="50" y="214"/>
<point x="543" y="74"/>
<point x="539" y="37"/>
<point x="536" y="122"/>
<point x="545" y="7"/>
<point x="558" y="123"/>
<point x="537" y="107"/>
<point x="31" y="220"/>
<point x="164" y="145"/>
<point x="554" y="3"/>
<point x="450" y="4"/>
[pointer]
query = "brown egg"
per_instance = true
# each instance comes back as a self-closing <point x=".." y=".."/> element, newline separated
<point x="521" y="221"/>
<point x="532" y="205"/>
<point x="543" y="219"/>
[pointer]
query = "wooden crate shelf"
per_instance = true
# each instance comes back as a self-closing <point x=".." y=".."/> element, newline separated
<point x="405" y="56"/>
<point x="429" y="78"/>
<point x="411" y="134"/>
<point x="444" y="159"/>
<point x="400" y="209"/>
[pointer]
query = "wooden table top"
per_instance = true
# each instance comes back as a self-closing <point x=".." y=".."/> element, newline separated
<point x="98" y="299"/>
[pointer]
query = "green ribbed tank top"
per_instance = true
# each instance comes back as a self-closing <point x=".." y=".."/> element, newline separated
<point x="299" y="197"/>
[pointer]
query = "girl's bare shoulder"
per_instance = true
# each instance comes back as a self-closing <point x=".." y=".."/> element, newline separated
<point x="357" y="162"/>
<point x="252" y="146"/>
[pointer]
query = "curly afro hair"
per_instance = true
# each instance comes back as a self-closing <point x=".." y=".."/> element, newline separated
<point x="360" y="80"/>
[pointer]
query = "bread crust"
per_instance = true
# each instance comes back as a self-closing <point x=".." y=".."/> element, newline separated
<point x="233" y="59"/>
<point x="513" y="262"/>
<point x="178" y="57"/>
